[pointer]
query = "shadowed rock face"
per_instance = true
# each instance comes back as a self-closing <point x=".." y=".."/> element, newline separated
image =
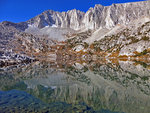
<point x="97" y="17"/>
<point x="19" y="26"/>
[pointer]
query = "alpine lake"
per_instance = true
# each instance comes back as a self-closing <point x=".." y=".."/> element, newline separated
<point x="116" y="86"/>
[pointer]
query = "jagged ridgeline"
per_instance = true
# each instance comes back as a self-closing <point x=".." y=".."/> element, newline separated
<point x="119" y="30"/>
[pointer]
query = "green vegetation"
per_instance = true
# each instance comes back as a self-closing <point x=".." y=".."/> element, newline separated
<point x="86" y="45"/>
<point x="145" y="38"/>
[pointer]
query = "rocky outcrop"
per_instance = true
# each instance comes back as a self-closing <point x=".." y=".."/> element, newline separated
<point x="16" y="46"/>
<point x="132" y="40"/>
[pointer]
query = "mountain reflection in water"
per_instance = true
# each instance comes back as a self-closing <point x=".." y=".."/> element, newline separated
<point x="101" y="87"/>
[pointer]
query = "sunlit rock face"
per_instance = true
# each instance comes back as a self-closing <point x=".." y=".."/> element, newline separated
<point x="71" y="19"/>
<point x="97" y="17"/>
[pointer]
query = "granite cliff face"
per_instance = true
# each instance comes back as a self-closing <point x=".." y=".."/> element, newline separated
<point x="97" y="17"/>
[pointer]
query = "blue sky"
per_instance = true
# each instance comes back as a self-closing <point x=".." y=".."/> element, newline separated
<point x="22" y="10"/>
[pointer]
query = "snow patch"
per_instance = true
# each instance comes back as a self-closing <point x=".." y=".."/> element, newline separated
<point x="54" y="25"/>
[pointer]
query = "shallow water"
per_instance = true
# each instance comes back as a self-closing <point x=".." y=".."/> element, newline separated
<point x="88" y="87"/>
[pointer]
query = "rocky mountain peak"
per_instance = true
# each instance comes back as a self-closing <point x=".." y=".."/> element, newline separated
<point x="98" y="6"/>
<point x="95" y="18"/>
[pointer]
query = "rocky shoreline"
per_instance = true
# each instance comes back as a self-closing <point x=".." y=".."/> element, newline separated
<point x="9" y="58"/>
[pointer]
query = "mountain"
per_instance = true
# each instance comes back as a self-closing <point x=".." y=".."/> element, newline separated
<point x="119" y="30"/>
<point x="95" y="18"/>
